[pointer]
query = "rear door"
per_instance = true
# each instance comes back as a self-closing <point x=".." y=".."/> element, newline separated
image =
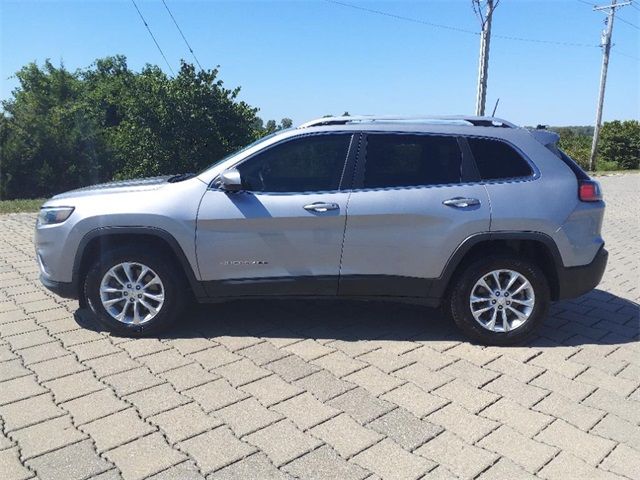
<point x="414" y="200"/>
<point x="283" y="233"/>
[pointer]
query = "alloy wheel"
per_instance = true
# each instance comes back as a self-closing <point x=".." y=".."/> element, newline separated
<point x="132" y="293"/>
<point x="502" y="300"/>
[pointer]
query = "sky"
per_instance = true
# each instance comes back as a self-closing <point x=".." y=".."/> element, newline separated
<point x="306" y="59"/>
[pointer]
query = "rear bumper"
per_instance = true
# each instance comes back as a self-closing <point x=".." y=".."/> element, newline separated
<point x="576" y="281"/>
<point x="62" y="289"/>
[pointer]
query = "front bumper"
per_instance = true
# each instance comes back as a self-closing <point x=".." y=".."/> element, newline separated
<point x="576" y="281"/>
<point x="62" y="289"/>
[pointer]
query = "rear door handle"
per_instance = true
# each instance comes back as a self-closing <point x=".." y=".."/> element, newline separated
<point x="321" y="207"/>
<point x="461" y="202"/>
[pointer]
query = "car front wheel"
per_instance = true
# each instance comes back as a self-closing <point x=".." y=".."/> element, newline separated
<point x="133" y="292"/>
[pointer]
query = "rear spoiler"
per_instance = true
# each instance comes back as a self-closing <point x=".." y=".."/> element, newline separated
<point x="546" y="137"/>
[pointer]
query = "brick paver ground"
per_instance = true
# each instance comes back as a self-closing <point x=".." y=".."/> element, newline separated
<point x="299" y="389"/>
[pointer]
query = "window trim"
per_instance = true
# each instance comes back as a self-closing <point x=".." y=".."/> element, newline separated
<point x="468" y="172"/>
<point x="348" y="162"/>
<point x="535" y="172"/>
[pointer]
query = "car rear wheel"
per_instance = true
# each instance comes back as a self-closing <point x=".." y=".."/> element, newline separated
<point x="500" y="300"/>
<point x="132" y="292"/>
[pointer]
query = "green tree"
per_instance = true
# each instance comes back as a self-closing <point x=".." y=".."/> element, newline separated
<point x="270" y="127"/>
<point x="180" y="124"/>
<point x="620" y="143"/>
<point x="62" y="129"/>
<point x="576" y="144"/>
<point x="50" y="142"/>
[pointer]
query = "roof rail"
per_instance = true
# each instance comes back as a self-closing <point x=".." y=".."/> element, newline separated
<point x="447" y="119"/>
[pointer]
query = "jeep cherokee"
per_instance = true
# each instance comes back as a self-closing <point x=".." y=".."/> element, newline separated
<point x="489" y="220"/>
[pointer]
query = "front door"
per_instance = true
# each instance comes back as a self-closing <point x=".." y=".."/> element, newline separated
<point x="414" y="201"/>
<point x="283" y="233"/>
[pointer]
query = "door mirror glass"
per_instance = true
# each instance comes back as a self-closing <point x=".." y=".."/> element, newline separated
<point x="230" y="180"/>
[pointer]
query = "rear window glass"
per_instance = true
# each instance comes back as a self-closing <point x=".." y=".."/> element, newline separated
<point x="497" y="160"/>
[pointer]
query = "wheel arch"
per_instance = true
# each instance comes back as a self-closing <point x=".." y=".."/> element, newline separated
<point x="535" y="246"/>
<point x="106" y="238"/>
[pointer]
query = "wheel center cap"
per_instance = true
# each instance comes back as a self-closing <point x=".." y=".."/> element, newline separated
<point x="501" y="301"/>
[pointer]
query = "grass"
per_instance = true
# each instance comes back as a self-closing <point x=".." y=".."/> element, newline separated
<point x="22" y="205"/>
<point x="612" y="172"/>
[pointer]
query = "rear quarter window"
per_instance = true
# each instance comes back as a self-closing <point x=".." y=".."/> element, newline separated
<point x="498" y="160"/>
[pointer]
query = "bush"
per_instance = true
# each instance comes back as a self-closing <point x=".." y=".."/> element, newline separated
<point x="618" y="149"/>
<point x="607" y="166"/>
<point x="620" y="143"/>
<point x="576" y="144"/>
<point x="63" y="130"/>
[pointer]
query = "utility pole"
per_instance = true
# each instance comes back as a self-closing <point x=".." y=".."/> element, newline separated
<point x="606" y="49"/>
<point x="485" y="14"/>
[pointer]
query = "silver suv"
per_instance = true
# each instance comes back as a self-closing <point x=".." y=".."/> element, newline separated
<point x="488" y="220"/>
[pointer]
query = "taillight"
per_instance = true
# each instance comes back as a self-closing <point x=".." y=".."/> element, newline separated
<point x="589" y="191"/>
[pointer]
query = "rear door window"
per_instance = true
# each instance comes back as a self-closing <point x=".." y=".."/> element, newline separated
<point x="411" y="160"/>
<point x="498" y="160"/>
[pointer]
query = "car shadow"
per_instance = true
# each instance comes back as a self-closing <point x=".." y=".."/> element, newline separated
<point x="595" y="318"/>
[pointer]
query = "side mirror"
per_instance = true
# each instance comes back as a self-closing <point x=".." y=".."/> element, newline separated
<point x="230" y="180"/>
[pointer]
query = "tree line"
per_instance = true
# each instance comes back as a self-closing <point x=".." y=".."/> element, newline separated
<point x="61" y="129"/>
<point x="618" y="149"/>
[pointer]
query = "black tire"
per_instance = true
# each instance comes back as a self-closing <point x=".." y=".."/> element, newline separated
<point x="458" y="302"/>
<point x="175" y="292"/>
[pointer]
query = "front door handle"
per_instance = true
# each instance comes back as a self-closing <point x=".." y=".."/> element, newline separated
<point x="461" y="202"/>
<point x="321" y="207"/>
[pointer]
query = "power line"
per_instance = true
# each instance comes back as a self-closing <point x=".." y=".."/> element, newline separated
<point x="182" y="34"/>
<point x="457" y="29"/>
<point x="154" y="38"/>
<point x="618" y="52"/>
<point x="633" y="5"/>
<point x="548" y="42"/>
<point x="619" y="18"/>
<point x="628" y="23"/>
<point x="406" y="19"/>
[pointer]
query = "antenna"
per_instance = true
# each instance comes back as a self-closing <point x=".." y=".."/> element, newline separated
<point x="495" y="107"/>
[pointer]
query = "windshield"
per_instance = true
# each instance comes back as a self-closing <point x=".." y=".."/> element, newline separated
<point x="233" y="154"/>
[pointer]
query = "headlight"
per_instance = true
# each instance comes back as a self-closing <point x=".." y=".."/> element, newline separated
<point x="53" y="215"/>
